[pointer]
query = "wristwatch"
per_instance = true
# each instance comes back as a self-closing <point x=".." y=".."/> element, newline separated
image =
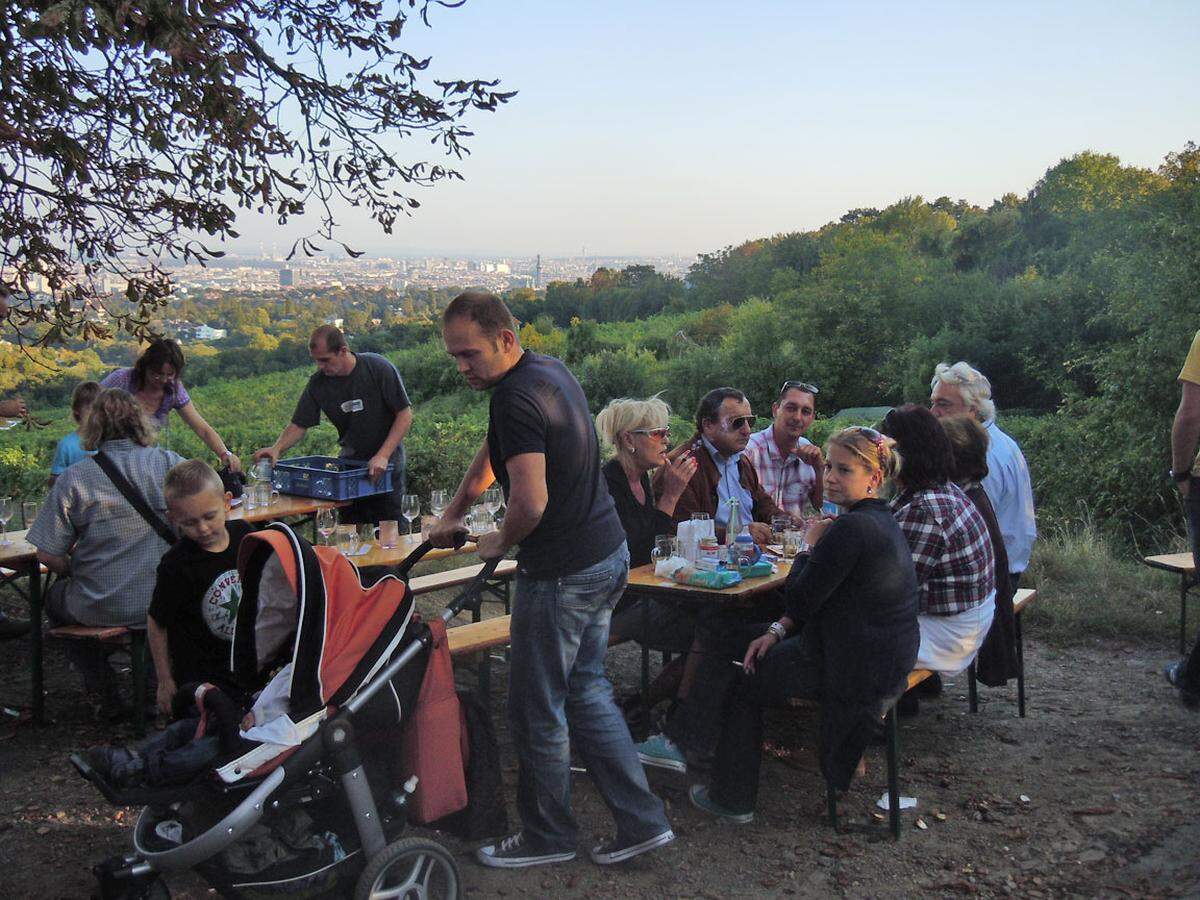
<point x="1179" y="476"/>
<point x="777" y="629"/>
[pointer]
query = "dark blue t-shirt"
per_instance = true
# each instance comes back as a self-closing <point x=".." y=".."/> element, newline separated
<point x="539" y="407"/>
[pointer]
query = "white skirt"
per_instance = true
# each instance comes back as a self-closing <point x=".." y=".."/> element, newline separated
<point x="949" y="643"/>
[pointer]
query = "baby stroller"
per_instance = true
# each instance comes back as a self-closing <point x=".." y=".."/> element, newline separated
<point x="321" y="812"/>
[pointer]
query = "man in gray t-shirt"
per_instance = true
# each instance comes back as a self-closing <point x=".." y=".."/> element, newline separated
<point x="363" y="396"/>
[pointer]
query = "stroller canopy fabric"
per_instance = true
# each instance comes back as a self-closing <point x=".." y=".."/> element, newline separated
<point x="307" y="605"/>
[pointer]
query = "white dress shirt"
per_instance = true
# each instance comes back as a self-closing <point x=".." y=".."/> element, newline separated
<point x="1008" y="487"/>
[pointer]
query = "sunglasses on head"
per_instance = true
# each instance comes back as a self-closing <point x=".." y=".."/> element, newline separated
<point x="799" y="386"/>
<point x="659" y="433"/>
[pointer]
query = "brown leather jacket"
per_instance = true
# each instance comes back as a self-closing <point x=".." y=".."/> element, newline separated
<point x="700" y="495"/>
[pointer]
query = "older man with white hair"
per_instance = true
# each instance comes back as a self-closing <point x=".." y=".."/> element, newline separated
<point x="961" y="390"/>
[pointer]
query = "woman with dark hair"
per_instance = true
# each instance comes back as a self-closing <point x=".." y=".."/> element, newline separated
<point x="154" y="382"/>
<point x="855" y="595"/>
<point x="951" y="550"/>
<point x="997" y="660"/>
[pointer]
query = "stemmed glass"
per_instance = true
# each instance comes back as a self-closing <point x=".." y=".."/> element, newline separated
<point x="6" y="513"/>
<point x="410" y="509"/>
<point x="327" y="518"/>
<point x="438" y="503"/>
<point x="491" y="503"/>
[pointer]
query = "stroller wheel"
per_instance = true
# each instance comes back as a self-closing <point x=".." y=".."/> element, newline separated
<point x="410" y="868"/>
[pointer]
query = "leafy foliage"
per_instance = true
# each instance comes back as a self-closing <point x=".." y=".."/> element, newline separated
<point x="133" y="132"/>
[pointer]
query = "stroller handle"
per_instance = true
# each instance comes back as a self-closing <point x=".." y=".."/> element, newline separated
<point x="471" y="596"/>
<point x="418" y="553"/>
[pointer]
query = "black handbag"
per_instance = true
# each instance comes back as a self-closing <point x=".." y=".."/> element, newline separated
<point x="130" y="493"/>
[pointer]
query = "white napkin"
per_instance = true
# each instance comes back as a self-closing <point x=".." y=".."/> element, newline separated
<point x="665" y="568"/>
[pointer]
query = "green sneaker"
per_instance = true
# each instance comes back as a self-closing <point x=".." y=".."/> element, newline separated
<point x="701" y="800"/>
<point x="659" y="750"/>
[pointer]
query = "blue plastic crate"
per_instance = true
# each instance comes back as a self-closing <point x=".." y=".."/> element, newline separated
<point x="328" y="478"/>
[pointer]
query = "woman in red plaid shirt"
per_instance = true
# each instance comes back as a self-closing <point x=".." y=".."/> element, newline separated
<point x="951" y="549"/>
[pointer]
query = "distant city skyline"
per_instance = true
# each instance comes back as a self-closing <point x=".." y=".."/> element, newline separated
<point x="680" y="128"/>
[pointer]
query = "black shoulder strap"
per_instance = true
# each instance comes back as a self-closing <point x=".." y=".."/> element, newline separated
<point x="130" y="493"/>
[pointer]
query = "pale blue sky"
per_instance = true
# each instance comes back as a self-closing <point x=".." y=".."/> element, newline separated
<point x="681" y="127"/>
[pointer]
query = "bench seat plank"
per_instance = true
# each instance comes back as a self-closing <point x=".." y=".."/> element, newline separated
<point x="424" y="584"/>
<point x="478" y="635"/>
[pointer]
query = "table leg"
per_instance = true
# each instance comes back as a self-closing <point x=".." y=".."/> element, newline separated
<point x="645" y="649"/>
<point x="35" y="645"/>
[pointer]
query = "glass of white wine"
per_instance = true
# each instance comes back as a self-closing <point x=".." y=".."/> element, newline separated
<point x="6" y="513"/>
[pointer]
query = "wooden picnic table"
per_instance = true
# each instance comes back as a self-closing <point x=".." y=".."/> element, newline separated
<point x="21" y="557"/>
<point x="1182" y="565"/>
<point x="285" y="506"/>
<point x="643" y="580"/>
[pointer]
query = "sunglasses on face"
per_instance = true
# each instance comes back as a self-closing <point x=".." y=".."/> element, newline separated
<point x="737" y="423"/>
<point x="799" y="386"/>
<point x="659" y="433"/>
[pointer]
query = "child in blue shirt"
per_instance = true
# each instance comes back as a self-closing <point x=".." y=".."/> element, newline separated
<point x="69" y="449"/>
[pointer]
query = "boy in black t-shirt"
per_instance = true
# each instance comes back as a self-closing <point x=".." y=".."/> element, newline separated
<point x="196" y="596"/>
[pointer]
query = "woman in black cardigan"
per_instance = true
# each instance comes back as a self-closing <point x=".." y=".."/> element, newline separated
<point x="853" y="597"/>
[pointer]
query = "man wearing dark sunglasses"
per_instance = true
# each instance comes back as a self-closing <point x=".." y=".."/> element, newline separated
<point x="724" y="424"/>
<point x="788" y="464"/>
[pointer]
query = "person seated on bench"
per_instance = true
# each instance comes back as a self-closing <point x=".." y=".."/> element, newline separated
<point x="196" y="593"/>
<point x="950" y="546"/>
<point x="104" y="552"/>
<point x="997" y="660"/>
<point x="638" y="433"/>
<point x="849" y="635"/>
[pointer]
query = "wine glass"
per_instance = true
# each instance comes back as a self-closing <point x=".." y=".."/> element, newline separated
<point x="327" y="519"/>
<point x="410" y="509"/>
<point x="29" y="511"/>
<point x="492" y="498"/>
<point x="438" y="503"/>
<point x="6" y="513"/>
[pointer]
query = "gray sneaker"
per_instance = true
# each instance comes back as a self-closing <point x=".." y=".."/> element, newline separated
<point x="607" y="854"/>
<point x="514" y="853"/>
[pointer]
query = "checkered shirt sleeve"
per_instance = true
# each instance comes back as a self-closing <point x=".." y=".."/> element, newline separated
<point x="951" y="550"/>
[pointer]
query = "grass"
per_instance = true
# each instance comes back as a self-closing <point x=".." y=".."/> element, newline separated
<point x="1088" y="589"/>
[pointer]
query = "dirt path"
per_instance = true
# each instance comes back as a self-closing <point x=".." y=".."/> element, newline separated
<point x="1097" y="792"/>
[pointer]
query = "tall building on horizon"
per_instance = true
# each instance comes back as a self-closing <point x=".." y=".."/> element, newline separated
<point x="537" y="273"/>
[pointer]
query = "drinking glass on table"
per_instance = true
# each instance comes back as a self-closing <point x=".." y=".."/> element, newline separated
<point x="664" y="548"/>
<point x="6" y="513"/>
<point x="779" y="524"/>
<point x="347" y="539"/>
<point x="792" y="539"/>
<point x="389" y="534"/>
<point x="29" y="511"/>
<point x="366" y="535"/>
<point x="438" y="502"/>
<point x="410" y="509"/>
<point x="493" y="497"/>
<point x="327" y="519"/>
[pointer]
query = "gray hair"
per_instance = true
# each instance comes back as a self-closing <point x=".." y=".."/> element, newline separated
<point x="626" y="415"/>
<point x="976" y="390"/>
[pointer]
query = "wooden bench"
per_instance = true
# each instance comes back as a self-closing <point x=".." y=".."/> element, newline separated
<point x="478" y="637"/>
<point x="1021" y="599"/>
<point x="1180" y="564"/>
<point x="135" y="639"/>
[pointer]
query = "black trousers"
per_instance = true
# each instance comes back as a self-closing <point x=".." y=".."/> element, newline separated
<point x="792" y="668"/>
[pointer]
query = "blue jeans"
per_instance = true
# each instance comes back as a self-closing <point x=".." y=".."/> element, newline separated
<point x="557" y="690"/>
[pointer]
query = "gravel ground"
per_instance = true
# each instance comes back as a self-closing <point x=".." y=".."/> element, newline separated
<point x="1095" y="793"/>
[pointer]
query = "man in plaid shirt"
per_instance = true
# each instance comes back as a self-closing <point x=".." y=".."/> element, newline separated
<point x="788" y="465"/>
<point x="951" y="550"/>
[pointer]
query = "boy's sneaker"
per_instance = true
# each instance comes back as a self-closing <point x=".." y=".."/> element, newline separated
<point x="659" y="750"/>
<point x="1174" y="674"/>
<point x="116" y="765"/>
<point x="615" y="852"/>
<point x="702" y="800"/>
<point x="514" y="853"/>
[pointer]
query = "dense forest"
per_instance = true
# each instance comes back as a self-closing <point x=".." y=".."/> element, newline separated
<point x="1078" y="300"/>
